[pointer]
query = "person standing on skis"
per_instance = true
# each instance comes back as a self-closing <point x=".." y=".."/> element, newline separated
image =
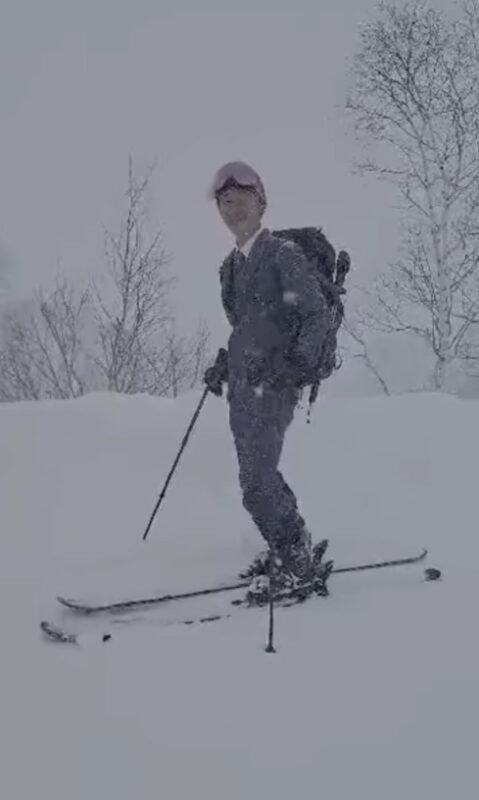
<point x="274" y="302"/>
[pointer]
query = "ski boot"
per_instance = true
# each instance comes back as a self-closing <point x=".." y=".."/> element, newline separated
<point x="321" y="570"/>
<point x="259" y="566"/>
<point x="287" y="566"/>
<point x="296" y="571"/>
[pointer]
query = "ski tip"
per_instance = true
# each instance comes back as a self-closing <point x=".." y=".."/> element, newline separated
<point x="56" y="634"/>
<point x="74" y="605"/>
<point x="48" y="628"/>
<point x="66" y="601"/>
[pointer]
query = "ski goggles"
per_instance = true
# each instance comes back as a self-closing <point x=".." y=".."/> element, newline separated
<point x="237" y="173"/>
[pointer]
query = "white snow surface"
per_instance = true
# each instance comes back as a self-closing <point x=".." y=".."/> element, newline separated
<point x="372" y="693"/>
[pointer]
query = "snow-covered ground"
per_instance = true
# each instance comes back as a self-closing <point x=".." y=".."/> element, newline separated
<point x="373" y="693"/>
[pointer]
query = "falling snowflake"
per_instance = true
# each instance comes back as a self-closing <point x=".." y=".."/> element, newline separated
<point x="290" y="297"/>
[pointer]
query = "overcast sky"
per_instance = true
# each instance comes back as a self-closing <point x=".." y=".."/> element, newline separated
<point x="192" y="85"/>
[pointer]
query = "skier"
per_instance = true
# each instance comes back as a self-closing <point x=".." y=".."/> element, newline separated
<point x="274" y="302"/>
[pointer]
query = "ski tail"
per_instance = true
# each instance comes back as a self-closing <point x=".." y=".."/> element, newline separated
<point x="397" y="562"/>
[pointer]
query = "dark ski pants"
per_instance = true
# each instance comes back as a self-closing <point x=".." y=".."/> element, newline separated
<point x="259" y="421"/>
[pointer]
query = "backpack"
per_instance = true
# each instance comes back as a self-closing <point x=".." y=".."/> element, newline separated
<point x="332" y="272"/>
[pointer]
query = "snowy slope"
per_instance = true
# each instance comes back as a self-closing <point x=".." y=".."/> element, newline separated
<point x="373" y="693"/>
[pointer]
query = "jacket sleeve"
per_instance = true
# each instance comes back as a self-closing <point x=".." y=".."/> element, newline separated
<point x="301" y="291"/>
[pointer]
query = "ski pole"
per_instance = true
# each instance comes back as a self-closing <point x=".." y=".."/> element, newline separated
<point x="175" y="463"/>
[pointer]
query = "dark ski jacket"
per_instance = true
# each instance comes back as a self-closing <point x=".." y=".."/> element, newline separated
<point x="279" y="315"/>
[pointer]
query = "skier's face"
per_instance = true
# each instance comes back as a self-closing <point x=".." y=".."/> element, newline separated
<point x="240" y="209"/>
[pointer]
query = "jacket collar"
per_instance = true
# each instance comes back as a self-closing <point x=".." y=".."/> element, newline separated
<point x="255" y="248"/>
<point x="246" y="247"/>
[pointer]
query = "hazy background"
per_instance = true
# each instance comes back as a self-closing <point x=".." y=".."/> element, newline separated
<point x="192" y="85"/>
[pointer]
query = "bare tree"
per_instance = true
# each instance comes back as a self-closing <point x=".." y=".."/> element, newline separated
<point x="186" y="359"/>
<point x="416" y="96"/>
<point x="138" y="347"/>
<point x="19" y="379"/>
<point x="41" y="346"/>
<point x="356" y="330"/>
<point x="133" y="317"/>
<point x="196" y="355"/>
<point x="122" y="337"/>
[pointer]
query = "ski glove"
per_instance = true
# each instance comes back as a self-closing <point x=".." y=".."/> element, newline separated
<point x="215" y="376"/>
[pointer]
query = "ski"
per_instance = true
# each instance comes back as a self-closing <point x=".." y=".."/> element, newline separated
<point x="127" y="605"/>
<point x="59" y="635"/>
<point x="56" y="634"/>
